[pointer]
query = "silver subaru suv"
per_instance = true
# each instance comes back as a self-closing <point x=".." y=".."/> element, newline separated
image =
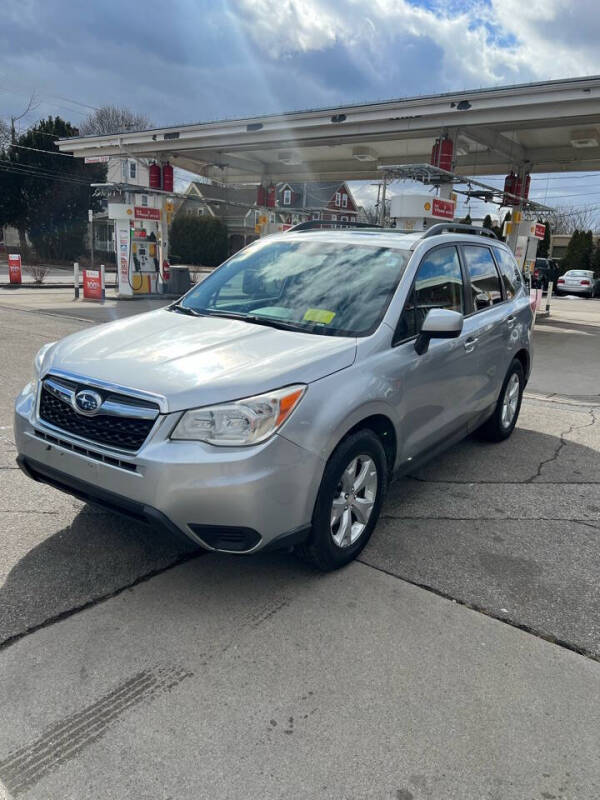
<point x="271" y="405"/>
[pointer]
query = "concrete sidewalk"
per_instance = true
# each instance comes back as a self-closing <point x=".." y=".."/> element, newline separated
<point x="240" y="678"/>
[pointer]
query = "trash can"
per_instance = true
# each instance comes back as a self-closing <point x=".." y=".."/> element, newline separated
<point x="179" y="280"/>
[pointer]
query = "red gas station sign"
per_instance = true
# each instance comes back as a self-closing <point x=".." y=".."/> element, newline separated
<point x="14" y="268"/>
<point x="142" y="212"/>
<point x="539" y="231"/>
<point x="92" y="284"/>
<point x="442" y="208"/>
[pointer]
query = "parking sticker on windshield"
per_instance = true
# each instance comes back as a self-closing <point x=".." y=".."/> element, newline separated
<point x="319" y="315"/>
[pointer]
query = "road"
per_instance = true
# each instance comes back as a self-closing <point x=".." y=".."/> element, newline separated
<point x="457" y="659"/>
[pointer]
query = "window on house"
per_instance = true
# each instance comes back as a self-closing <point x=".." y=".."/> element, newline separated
<point x="344" y="218"/>
<point x="200" y="211"/>
<point x="132" y="169"/>
<point x="287" y="197"/>
<point x="316" y="215"/>
<point x="334" y="217"/>
<point x="338" y="199"/>
<point x="344" y="201"/>
<point x="145" y="200"/>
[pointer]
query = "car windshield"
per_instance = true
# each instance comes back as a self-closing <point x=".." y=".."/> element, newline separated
<point x="324" y="287"/>
<point x="578" y="273"/>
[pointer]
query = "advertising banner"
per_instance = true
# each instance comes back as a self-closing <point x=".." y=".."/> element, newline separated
<point x="142" y="212"/>
<point x="92" y="284"/>
<point x="123" y="242"/>
<point x="14" y="268"/>
<point x="441" y="208"/>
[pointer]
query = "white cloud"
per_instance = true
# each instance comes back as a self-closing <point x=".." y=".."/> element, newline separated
<point x="480" y="44"/>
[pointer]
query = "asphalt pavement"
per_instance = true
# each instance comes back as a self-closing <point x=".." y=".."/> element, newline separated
<point x="457" y="659"/>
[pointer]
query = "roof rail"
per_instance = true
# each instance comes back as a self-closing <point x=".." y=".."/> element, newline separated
<point x="457" y="227"/>
<point x="312" y="224"/>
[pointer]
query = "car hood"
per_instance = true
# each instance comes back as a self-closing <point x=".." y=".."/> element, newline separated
<point x="195" y="361"/>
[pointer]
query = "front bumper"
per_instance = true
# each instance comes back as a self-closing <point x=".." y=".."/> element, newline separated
<point x="227" y="499"/>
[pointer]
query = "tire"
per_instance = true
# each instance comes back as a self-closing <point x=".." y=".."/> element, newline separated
<point x="365" y="450"/>
<point x="497" y="428"/>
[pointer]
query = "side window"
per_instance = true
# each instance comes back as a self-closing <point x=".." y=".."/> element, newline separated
<point x="486" y="289"/>
<point x="438" y="284"/>
<point x="509" y="271"/>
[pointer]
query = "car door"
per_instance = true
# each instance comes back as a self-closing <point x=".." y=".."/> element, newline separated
<point x="487" y="325"/>
<point x="433" y="395"/>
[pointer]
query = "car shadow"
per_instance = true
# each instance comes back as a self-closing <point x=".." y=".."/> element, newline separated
<point x="100" y="553"/>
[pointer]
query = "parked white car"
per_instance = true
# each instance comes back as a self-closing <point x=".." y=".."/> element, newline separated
<point x="578" y="281"/>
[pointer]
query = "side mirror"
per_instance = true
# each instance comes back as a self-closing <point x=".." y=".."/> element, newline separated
<point x="440" y="323"/>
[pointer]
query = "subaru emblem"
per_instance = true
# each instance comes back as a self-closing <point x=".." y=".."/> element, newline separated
<point x="87" y="402"/>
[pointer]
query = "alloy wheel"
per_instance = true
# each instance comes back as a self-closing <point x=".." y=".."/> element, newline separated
<point x="353" y="501"/>
<point x="510" y="400"/>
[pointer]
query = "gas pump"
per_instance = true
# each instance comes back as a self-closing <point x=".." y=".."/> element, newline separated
<point x="525" y="234"/>
<point x="141" y="243"/>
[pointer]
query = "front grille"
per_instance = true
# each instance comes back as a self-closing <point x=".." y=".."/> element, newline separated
<point x="121" y="432"/>
<point x="85" y="451"/>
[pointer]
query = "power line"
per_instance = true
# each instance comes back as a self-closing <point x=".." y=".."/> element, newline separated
<point x="56" y="96"/>
<point x="37" y="149"/>
<point x="42" y="177"/>
<point x="9" y="166"/>
<point x="47" y="178"/>
<point x="37" y="168"/>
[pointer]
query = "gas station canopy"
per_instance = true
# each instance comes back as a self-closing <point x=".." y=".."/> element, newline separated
<point x="544" y="127"/>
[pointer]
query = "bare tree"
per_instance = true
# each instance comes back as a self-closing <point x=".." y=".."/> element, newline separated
<point x="4" y="135"/>
<point x="32" y="104"/>
<point x="113" y="119"/>
<point x="566" y="220"/>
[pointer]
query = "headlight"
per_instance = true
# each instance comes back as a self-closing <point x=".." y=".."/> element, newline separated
<point x="242" y="422"/>
<point x="37" y="364"/>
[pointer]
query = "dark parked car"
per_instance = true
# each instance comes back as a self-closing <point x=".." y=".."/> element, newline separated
<point x="545" y="270"/>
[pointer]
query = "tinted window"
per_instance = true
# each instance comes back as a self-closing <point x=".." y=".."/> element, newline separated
<point x="509" y="271"/>
<point x="324" y="287"/>
<point x="485" y="281"/>
<point x="438" y="284"/>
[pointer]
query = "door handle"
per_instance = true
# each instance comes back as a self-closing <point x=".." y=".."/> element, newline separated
<point x="471" y="344"/>
<point x="510" y="321"/>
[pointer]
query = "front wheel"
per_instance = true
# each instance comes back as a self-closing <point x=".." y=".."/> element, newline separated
<point x="349" y="501"/>
<point x="502" y="422"/>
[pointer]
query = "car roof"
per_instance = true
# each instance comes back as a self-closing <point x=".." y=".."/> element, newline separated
<point x="384" y="237"/>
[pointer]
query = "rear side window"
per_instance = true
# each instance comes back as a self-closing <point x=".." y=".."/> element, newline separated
<point x="438" y="284"/>
<point x="509" y="271"/>
<point x="485" y="281"/>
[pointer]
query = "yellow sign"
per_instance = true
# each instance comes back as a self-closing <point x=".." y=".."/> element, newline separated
<point x="319" y="315"/>
<point x="517" y="216"/>
<point x="507" y="228"/>
<point x="258" y="228"/>
<point x="262" y="220"/>
<point x="427" y="206"/>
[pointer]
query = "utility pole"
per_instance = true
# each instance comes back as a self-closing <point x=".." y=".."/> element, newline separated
<point x="91" y="221"/>
<point x="382" y="209"/>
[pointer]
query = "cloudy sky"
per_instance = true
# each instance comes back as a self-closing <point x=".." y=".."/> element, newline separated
<point x="195" y="60"/>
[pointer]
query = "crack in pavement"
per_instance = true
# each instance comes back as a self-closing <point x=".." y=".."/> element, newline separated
<point x="498" y="483"/>
<point x="102" y="599"/>
<point x="489" y="519"/>
<point x="562" y="443"/>
<point x="499" y="617"/>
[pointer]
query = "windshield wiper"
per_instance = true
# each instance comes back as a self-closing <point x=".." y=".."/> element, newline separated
<point x="258" y="319"/>
<point x="255" y="319"/>
<point x="184" y="310"/>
